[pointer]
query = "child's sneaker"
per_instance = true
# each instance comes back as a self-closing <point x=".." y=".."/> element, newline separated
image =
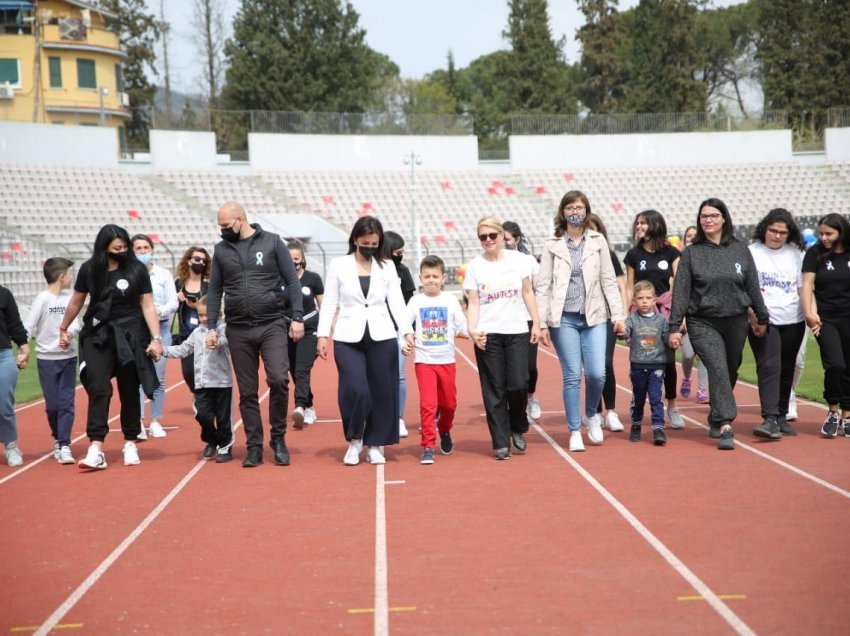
<point x="156" y="430"/>
<point x="675" y="418"/>
<point x="612" y="421"/>
<point x="427" y="456"/>
<point x="446" y="443"/>
<point x="298" y="418"/>
<point x="702" y="396"/>
<point x="830" y="425"/>
<point x="658" y="437"/>
<point x="14" y="456"/>
<point x="685" y="390"/>
<point x="131" y="454"/>
<point x="309" y="415"/>
<point x="65" y="456"/>
<point x="634" y="433"/>
<point x="94" y="459"/>
<point x="56" y="451"/>
<point x="846" y="427"/>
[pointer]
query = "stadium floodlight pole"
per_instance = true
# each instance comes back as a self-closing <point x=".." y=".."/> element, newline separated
<point x="414" y="160"/>
<point x="102" y="92"/>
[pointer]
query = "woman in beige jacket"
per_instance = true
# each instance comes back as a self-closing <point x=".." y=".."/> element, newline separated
<point x="577" y="294"/>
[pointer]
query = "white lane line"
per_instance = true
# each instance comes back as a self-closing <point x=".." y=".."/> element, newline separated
<point x="60" y="612"/>
<point x="49" y="455"/>
<point x="734" y="621"/>
<point x="382" y="614"/>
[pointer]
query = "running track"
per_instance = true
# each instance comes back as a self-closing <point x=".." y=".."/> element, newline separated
<point x="625" y="538"/>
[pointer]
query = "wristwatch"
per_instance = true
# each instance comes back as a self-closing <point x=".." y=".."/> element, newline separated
<point x="157" y="339"/>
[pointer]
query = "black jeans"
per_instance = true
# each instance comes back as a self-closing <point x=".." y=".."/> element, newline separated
<point x="302" y="355"/>
<point x="609" y="390"/>
<point x="776" y="356"/>
<point x="503" y="373"/>
<point x="213" y="406"/>
<point x="834" y="341"/>
<point x="532" y="365"/>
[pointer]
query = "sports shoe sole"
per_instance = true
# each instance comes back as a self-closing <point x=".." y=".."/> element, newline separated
<point x="297" y="420"/>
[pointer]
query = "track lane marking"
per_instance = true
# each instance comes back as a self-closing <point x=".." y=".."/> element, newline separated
<point x="381" y="609"/>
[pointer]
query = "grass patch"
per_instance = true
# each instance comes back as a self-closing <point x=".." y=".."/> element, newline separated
<point x="28" y="388"/>
<point x="811" y="384"/>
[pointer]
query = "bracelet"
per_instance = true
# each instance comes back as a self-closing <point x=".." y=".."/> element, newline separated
<point x="157" y="339"/>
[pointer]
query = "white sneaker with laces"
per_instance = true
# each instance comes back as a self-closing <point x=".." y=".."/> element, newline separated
<point x="309" y="415"/>
<point x="156" y="430"/>
<point x="131" y="454"/>
<point x="298" y="417"/>
<point x="533" y="410"/>
<point x="65" y="456"/>
<point x="576" y="442"/>
<point x="792" y="407"/>
<point x="352" y="455"/>
<point x="375" y="455"/>
<point x="402" y="428"/>
<point x="94" y="459"/>
<point x="56" y="451"/>
<point x="612" y="421"/>
<point x="675" y="418"/>
<point x="14" y="456"/>
<point x="594" y="429"/>
<point x="143" y="436"/>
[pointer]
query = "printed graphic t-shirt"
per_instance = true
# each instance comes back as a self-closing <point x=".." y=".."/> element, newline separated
<point x="437" y="320"/>
<point x="499" y="287"/>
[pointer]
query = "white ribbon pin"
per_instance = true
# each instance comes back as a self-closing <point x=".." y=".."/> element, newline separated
<point x="259" y="256"/>
<point x="830" y="266"/>
<point x="643" y="266"/>
<point x="738" y="269"/>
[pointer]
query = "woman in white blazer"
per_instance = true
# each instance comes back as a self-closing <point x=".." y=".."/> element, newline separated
<point x="363" y="289"/>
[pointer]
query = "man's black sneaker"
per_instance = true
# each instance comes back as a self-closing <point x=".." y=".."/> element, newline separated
<point x="658" y="437"/>
<point x="209" y="451"/>
<point x="223" y="456"/>
<point x="634" y="433"/>
<point x="713" y="430"/>
<point x="727" y="440"/>
<point x="784" y="427"/>
<point x="518" y="440"/>
<point x="768" y="429"/>
<point x="502" y="453"/>
<point x="830" y="425"/>
<point x="254" y="458"/>
<point x="281" y="452"/>
<point x="446" y="443"/>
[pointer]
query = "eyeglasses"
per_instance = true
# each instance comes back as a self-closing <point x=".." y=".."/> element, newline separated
<point x="574" y="208"/>
<point x="490" y="236"/>
<point x="713" y="218"/>
<point x="777" y="232"/>
<point x="198" y="259"/>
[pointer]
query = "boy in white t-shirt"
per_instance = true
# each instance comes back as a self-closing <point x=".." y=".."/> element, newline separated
<point x="438" y="318"/>
<point x="57" y="367"/>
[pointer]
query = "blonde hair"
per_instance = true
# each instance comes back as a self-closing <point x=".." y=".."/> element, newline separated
<point x="643" y="285"/>
<point x="490" y="221"/>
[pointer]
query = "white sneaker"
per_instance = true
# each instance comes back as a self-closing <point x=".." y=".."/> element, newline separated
<point x="576" y="442"/>
<point x="56" y="451"/>
<point x="792" y="407"/>
<point x="375" y="455"/>
<point x="352" y="455"/>
<point x="533" y="408"/>
<point x="143" y="436"/>
<point x="156" y="430"/>
<point x="131" y="454"/>
<point x="594" y="429"/>
<point x="402" y="428"/>
<point x="675" y="418"/>
<point x="298" y="417"/>
<point x="309" y="415"/>
<point x="14" y="456"/>
<point x="94" y="459"/>
<point x="612" y="421"/>
<point x="65" y="456"/>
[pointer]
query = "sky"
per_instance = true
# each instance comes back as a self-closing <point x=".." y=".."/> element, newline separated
<point x="415" y="34"/>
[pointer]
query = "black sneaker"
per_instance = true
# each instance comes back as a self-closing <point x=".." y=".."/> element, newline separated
<point x="502" y="453"/>
<point x="727" y="440"/>
<point x="634" y="433"/>
<point x="658" y="437"/>
<point x="222" y="457"/>
<point x="518" y="440"/>
<point x="254" y="458"/>
<point x="281" y="452"/>
<point x="830" y="425"/>
<point x="846" y="427"/>
<point x="713" y="430"/>
<point x="784" y="427"/>
<point x="446" y="443"/>
<point x="209" y="451"/>
<point x="768" y="429"/>
<point x="427" y="456"/>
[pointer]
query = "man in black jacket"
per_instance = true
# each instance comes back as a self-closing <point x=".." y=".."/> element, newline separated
<point x="253" y="268"/>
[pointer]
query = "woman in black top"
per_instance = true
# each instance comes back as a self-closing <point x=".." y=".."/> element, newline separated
<point x="192" y="282"/>
<point x="394" y="249"/>
<point x="120" y="336"/>
<point x="826" y="280"/>
<point x="12" y="330"/>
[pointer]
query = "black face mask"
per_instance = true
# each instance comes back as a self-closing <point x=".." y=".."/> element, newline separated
<point x="297" y="266"/>
<point x="119" y="257"/>
<point x="229" y="234"/>
<point x="367" y="252"/>
<point x="397" y="258"/>
<point x="198" y="268"/>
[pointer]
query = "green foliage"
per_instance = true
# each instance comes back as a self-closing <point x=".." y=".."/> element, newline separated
<point x="138" y="31"/>
<point x="604" y="64"/>
<point x="302" y="55"/>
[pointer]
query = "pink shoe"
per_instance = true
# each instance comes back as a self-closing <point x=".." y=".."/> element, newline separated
<point x="686" y="388"/>
<point x="702" y="396"/>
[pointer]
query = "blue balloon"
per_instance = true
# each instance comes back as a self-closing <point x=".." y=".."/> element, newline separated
<point x="810" y="239"/>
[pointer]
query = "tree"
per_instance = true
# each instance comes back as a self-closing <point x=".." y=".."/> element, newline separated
<point x="138" y="31"/>
<point x="603" y="64"/>
<point x="208" y="31"/>
<point x="301" y="55"/>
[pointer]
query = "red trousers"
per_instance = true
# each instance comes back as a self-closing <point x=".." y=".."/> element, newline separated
<point x="436" y="390"/>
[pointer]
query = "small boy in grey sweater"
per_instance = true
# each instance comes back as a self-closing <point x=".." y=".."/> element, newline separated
<point x="647" y="330"/>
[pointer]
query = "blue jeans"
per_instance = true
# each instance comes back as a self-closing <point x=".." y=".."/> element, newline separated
<point x="402" y="383"/>
<point x="580" y="345"/>
<point x="158" y="401"/>
<point x="58" y="380"/>
<point x="647" y="382"/>
<point x="8" y="382"/>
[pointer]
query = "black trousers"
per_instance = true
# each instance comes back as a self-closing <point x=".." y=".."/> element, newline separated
<point x="302" y="355"/>
<point x="187" y="367"/>
<point x="670" y="376"/>
<point x="719" y="343"/>
<point x="532" y="365"/>
<point x="834" y="341"/>
<point x="609" y="389"/>
<point x="213" y="406"/>
<point x="368" y="389"/>
<point x="101" y="365"/>
<point x="776" y="356"/>
<point x="503" y="373"/>
<point x="248" y="344"/>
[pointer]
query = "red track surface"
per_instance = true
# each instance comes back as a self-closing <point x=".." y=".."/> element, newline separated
<point x="472" y="545"/>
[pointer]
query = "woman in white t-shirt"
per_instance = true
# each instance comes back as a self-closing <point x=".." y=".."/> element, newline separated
<point x="778" y="254"/>
<point x="498" y="284"/>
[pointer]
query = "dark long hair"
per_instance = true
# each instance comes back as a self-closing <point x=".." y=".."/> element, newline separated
<point x="519" y="237"/>
<point x="727" y="234"/>
<point x="570" y="197"/>
<point x="100" y="257"/>
<point x="368" y="225"/>
<point x="183" y="265"/>
<point x="839" y="223"/>
<point x="596" y="223"/>
<point x="780" y="215"/>
<point x="392" y="241"/>
<point x="656" y="230"/>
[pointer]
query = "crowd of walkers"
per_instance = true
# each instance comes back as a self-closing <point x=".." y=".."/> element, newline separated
<point x="705" y="301"/>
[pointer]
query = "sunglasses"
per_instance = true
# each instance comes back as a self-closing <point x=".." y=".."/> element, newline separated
<point x="491" y="236"/>
<point x="198" y="259"/>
